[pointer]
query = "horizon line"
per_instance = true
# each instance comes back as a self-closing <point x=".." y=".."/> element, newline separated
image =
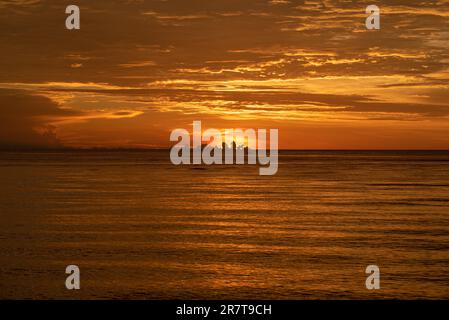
<point x="66" y="149"/>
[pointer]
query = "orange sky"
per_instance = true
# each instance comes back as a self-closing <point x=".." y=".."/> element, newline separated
<point x="138" y="69"/>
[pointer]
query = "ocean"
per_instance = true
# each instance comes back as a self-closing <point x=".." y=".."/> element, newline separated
<point x="139" y="227"/>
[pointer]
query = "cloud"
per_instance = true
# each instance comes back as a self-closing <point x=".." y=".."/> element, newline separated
<point x="138" y="64"/>
<point x="18" y="3"/>
<point x="303" y="60"/>
<point x="293" y="99"/>
<point x="26" y="120"/>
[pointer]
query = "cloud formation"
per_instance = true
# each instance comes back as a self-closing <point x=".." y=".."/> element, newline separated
<point x="27" y="123"/>
<point x="306" y="62"/>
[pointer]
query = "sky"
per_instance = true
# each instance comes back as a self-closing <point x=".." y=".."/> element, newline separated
<point x="136" y="70"/>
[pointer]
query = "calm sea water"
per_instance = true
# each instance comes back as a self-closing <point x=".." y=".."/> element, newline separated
<point x="139" y="227"/>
